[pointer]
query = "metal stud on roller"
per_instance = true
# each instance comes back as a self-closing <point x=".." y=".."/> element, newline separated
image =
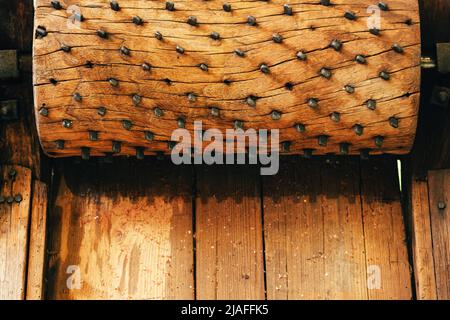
<point x="114" y="5"/>
<point x="300" y="127"/>
<point x="350" y="15"/>
<point x="383" y="6"/>
<point x="238" y="124"/>
<point x="180" y="49"/>
<point x="313" y="103"/>
<point x="43" y="112"/>
<point x="393" y="121"/>
<point x="77" y="97"/>
<point x="374" y="31"/>
<point x="140" y="153"/>
<point x="60" y="144"/>
<point x="137" y="99"/>
<point x="384" y="75"/>
<point x="358" y="129"/>
<point x="192" y="97"/>
<point x="170" y="6"/>
<point x="335" y="116"/>
<point x="116" y="146"/>
<point x="349" y="88"/>
<point x="214" y="35"/>
<point x="113" y="82"/>
<point x="301" y="55"/>
<point x="66" y="48"/>
<point x="137" y="20"/>
<point x="379" y="141"/>
<point x="336" y="44"/>
<point x="181" y="122"/>
<point x="85" y="153"/>
<point x="93" y="135"/>
<point x="322" y="140"/>
<point x="251" y="101"/>
<point x="66" y="123"/>
<point x="146" y="66"/>
<point x="41" y="32"/>
<point x="286" y="146"/>
<point x="276" y="115"/>
<point x="56" y="5"/>
<point x="127" y="124"/>
<point x="239" y="53"/>
<point x="344" y="148"/>
<point x="203" y="67"/>
<point x="251" y="21"/>
<point x="192" y="21"/>
<point x="397" y="48"/>
<point x="158" y="112"/>
<point x="326" y="73"/>
<point x="125" y="51"/>
<point x="289" y="86"/>
<point x="264" y="69"/>
<point x="287" y="10"/>
<point x="277" y="38"/>
<point x="102" y="34"/>
<point x="226" y="7"/>
<point x="360" y="59"/>
<point x="308" y="153"/>
<point x="101" y="111"/>
<point x="158" y="35"/>
<point x="215" y="112"/>
<point x="149" y="136"/>
<point x="325" y="2"/>
<point x="371" y="104"/>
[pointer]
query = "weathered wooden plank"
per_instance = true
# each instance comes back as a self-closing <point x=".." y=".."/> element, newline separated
<point x="229" y="240"/>
<point x="422" y="245"/>
<point x="36" y="248"/>
<point x="384" y="233"/>
<point x="174" y="82"/>
<point x="121" y="231"/>
<point x="439" y="191"/>
<point x="14" y="221"/>
<point x="313" y="231"/>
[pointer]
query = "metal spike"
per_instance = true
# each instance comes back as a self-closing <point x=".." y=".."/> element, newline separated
<point x="301" y="55"/>
<point x="192" y="21"/>
<point x="335" y="116"/>
<point x="379" y="141"/>
<point x="203" y="67"/>
<point x="336" y="45"/>
<point x="43" y="112"/>
<point x="77" y="97"/>
<point x="239" y="53"/>
<point x="41" y="32"/>
<point x="137" y="99"/>
<point x="300" y="127"/>
<point x="114" y="82"/>
<point x="60" y="144"/>
<point x="277" y="38"/>
<point x="170" y="6"/>
<point x="18" y="198"/>
<point x="116" y="146"/>
<point x="359" y="129"/>
<point x="226" y="7"/>
<point x="251" y="101"/>
<point x="192" y="97"/>
<point x="287" y="10"/>
<point x="181" y="122"/>
<point x="158" y="112"/>
<point x="264" y="69"/>
<point x="344" y="148"/>
<point x="214" y="35"/>
<point x="383" y="6"/>
<point x="326" y="73"/>
<point x="313" y="103"/>
<point x="101" y="111"/>
<point x="66" y="123"/>
<point x="93" y="135"/>
<point x="371" y="104"/>
<point x="393" y="121"/>
<point x="349" y="88"/>
<point x="56" y="5"/>
<point x="289" y="86"/>
<point x="65" y="48"/>
<point x="10" y="199"/>
<point x="238" y="124"/>
<point x="102" y="34"/>
<point x="127" y="124"/>
<point x="158" y="35"/>
<point x="374" y="31"/>
<point x="146" y="66"/>
<point x="325" y="2"/>
<point x="124" y="50"/>
<point x="114" y="5"/>
<point x="397" y="48"/>
<point x="350" y="15"/>
<point x="137" y="20"/>
<point x="149" y="136"/>
<point x="251" y="21"/>
<point x="322" y="140"/>
<point x="180" y="49"/>
<point x="171" y="144"/>
<point x="384" y="75"/>
<point x="215" y="112"/>
<point x="360" y="59"/>
<point x="85" y="153"/>
<point x="140" y="153"/>
<point x="276" y="115"/>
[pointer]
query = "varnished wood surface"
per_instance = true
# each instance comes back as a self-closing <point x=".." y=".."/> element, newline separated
<point x="59" y="75"/>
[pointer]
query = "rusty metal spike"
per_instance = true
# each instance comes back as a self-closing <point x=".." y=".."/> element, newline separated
<point x="325" y="2"/>
<point x="313" y="103"/>
<point x="93" y="135"/>
<point x="322" y="140"/>
<point x="203" y="67"/>
<point x="170" y="6"/>
<point x="264" y="69"/>
<point x="146" y="66"/>
<point x="289" y="86"/>
<point x="140" y="153"/>
<point x="137" y="20"/>
<point x="171" y="144"/>
<point x="397" y="48"/>
<point x="360" y="59"/>
<point x="43" y="111"/>
<point x="384" y="75"/>
<point x="192" y="21"/>
<point x="300" y="127"/>
<point x="335" y="116"/>
<point x="336" y="44"/>
<point x="41" y="32"/>
<point x="127" y="124"/>
<point x="137" y="99"/>
<point x="349" y="88"/>
<point x="116" y="146"/>
<point x="56" y="5"/>
<point x="226" y="7"/>
<point x="251" y="21"/>
<point x="124" y="50"/>
<point x="238" y="124"/>
<point x="371" y="104"/>
<point x="85" y="153"/>
<point x="287" y="10"/>
<point x="350" y="15"/>
<point x="180" y="49"/>
<point x="286" y="146"/>
<point x="102" y="34"/>
<point x="215" y="112"/>
<point x="344" y="148"/>
<point x="301" y="56"/>
<point x="113" y="82"/>
<point x="149" y="136"/>
<point x="214" y="35"/>
<point x="276" y="115"/>
<point x="326" y="73"/>
<point x="358" y="129"/>
<point x="192" y="97"/>
<point x="158" y="112"/>
<point x="101" y="111"/>
<point x="277" y="38"/>
<point x="60" y="144"/>
<point x="383" y="6"/>
<point x="114" y="5"/>
<point x="239" y="53"/>
<point x="374" y="31"/>
<point x="251" y="101"/>
<point x="66" y="48"/>
<point x="158" y="35"/>
<point x="379" y="141"/>
<point x="77" y="97"/>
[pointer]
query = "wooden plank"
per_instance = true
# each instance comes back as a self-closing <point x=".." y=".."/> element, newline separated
<point x="439" y="191"/>
<point x="14" y="221"/>
<point x="313" y="231"/>
<point x="386" y="252"/>
<point x="422" y="245"/>
<point x="172" y="86"/>
<point x="36" y="251"/>
<point x="229" y="244"/>
<point x="121" y="231"/>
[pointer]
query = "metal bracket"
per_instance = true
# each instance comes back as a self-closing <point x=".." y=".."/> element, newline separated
<point x="9" y="110"/>
<point x="443" y="57"/>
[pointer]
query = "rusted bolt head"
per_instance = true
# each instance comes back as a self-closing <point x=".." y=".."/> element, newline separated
<point x="113" y="82"/>
<point x="344" y="148"/>
<point x="146" y="66"/>
<point x="276" y="115"/>
<point x="127" y="124"/>
<point x="66" y="48"/>
<point x="137" y="99"/>
<point x="383" y="6"/>
<point x="287" y="10"/>
<point x="239" y="53"/>
<point x="313" y="103"/>
<point x="350" y="15"/>
<point x="43" y="112"/>
<point x="301" y="55"/>
<point x="360" y="59"/>
<point x="384" y="75"/>
<point x="251" y="101"/>
<point x="251" y="21"/>
<point x="264" y="69"/>
<point x="214" y="35"/>
<point x="137" y="20"/>
<point x="379" y="141"/>
<point x="397" y="48"/>
<point x="349" y="88"/>
<point x="336" y="44"/>
<point x="371" y="104"/>
<point x="125" y="51"/>
<point x="215" y="112"/>
<point x="393" y="121"/>
<point x="326" y="73"/>
<point x="93" y="135"/>
<point x="158" y="35"/>
<point x="192" y="21"/>
<point x="300" y="127"/>
<point x="170" y="6"/>
<point x="116" y="146"/>
<point x="149" y="136"/>
<point x="102" y="34"/>
<point x="226" y="7"/>
<point x="180" y="49"/>
<point x="67" y="123"/>
<point x="277" y="38"/>
<point x="114" y="5"/>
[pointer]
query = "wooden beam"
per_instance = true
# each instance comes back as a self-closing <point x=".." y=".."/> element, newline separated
<point x="230" y="263"/>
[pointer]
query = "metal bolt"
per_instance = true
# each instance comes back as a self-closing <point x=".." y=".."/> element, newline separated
<point x="393" y="121"/>
<point x="215" y="112"/>
<point x="374" y="31"/>
<point x="101" y="111"/>
<point x="276" y="115"/>
<point x="192" y="97"/>
<point x="60" y="144"/>
<point x="371" y="104"/>
<point x="277" y="38"/>
<point x="287" y="10"/>
<point x="66" y="48"/>
<point x="170" y="6"/>
<point x="85" y="153"/>
<point x="137" y="99"/>
<point x="114" y="82"/>
<point x="335" y="116"/>
<point x="349" y="89"/>
<point x="41" y="32"/>
<point x="93" y="135"/>
<point x="251" y="101"/>
<point x="313" y="103"/>
<point x="264" y="69"/>
<point x="67" y="123"/>
<point x="124" y="50"/>
<point x="397" y="48"/>
<point x="127" y="124"/>
<point x="146" y="66"/>
<point x="301" y="55"/>
<point x="360" y="59"/>
<point x="77" y="97"/>
<point x="192" y="21"/>
<point x="180" y="49"/>
<point x="56" y="5"/>
<point x="137" y="20"/>
<point x="203" y="67"/>
<point x="239" y="53"/>
<point x="116" y="146"/>
<point x="350" y="15"/>
<point x="158" y="112"/>
<point x="226" y="7"/>
<point x="326" y="73"/>
<point x="114" y="5"/>
<point x="379" y="141"/>
<point x="384" y="75"/>
<point x="344" y="148"/>
<point x="102" y="34"/>
<point x="214" y="35"/>
<point x="158" y="35"/>
<point x="300" y="127"/>
<point x="383" y="6"/>
<point x="238" y="124"/>
<point x="322" y="140"/>
<point x="336" y="44"/>
<point x="285" y="146"/>
<point x="181" y="122"/>
<point x="140" y="153"/>
<point x="251" y="21"/>
<point x="43" y="112"/>
<point x="359" y="129"/>
<point x="149" y="136"/>
<point x="442" y="205"/>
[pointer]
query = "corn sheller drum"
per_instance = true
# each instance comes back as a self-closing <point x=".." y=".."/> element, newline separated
<point x="334" y="76"/>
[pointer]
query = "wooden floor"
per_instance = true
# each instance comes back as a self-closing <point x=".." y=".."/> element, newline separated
<point x="320" y="229"/>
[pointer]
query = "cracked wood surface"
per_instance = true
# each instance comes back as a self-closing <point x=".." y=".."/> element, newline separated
<point x="92" y="61"/>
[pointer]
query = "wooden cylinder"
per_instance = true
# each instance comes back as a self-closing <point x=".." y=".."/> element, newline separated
<point x="120" y="76"/>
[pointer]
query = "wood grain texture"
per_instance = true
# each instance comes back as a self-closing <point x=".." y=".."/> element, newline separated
<point x="14" y="221"/>
<point x="229" y="240"/>
<point x="384" y="231"/>
<point x="129" y="234"/>
<point x="59" y="75"/>
<point x="36" y="248"/>
<point x="439" y="190"/>
<point x="314" y="235"/>
<point x="422" y="244"/>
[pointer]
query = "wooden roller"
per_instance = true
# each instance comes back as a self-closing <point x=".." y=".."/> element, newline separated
<point x="118" y="77"/>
